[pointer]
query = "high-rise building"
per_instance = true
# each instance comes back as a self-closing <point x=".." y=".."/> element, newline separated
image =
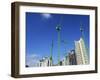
<point x="81" y="52"/>
<point x="72" y="58"/>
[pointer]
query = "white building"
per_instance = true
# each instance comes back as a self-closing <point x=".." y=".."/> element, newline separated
<point x="65" y="61"/>
<point x="81" y="52"/>
<point x="46" y="61"/>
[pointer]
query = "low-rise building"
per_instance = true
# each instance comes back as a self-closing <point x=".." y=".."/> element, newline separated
<point x="46" y="61"/>
<point x="65" y="60"/>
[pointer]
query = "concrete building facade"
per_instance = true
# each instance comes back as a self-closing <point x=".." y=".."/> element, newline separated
<point x="72" y="58"/>
<point x="65" y="60"/>
<point x="46" y="61"/>
<point x="81" y="52"/>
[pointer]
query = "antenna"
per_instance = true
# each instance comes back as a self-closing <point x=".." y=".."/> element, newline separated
<point x="81" y="29"/>
<point x="61" y="18"/>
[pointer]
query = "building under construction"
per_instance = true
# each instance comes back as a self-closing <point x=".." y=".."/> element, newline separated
<point x="77" y="56"/>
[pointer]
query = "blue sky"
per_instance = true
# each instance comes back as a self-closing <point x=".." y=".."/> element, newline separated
<point x="41" y="30"/>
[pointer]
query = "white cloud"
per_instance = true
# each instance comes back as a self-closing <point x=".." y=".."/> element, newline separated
<point x="32" y="60"/>
<point x="46" y="15"/>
